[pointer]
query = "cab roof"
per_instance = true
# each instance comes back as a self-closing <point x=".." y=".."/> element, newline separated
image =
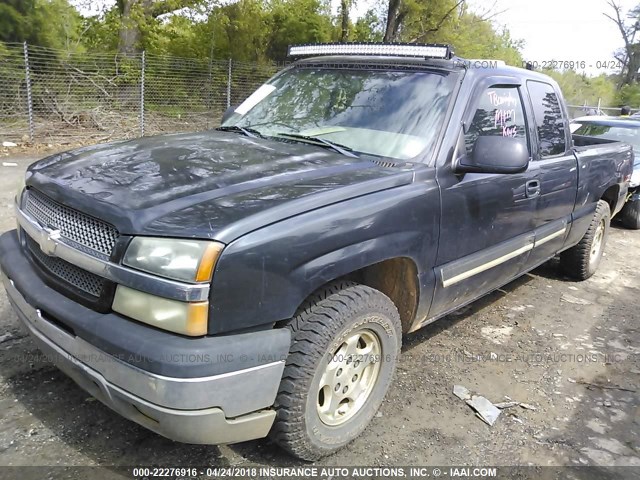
<point x="480" y="68"/>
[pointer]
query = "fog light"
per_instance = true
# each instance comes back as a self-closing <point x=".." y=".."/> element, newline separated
<point x="173" y="315"/>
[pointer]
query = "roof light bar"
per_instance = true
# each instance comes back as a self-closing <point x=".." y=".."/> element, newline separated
<point x="392" y="49"/>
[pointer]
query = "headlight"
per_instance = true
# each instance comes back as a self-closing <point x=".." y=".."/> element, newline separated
<point x="178" y="259"/>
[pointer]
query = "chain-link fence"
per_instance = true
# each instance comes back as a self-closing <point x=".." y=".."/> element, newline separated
<point x="49" y="96"/>
<point x="576" y="111"/>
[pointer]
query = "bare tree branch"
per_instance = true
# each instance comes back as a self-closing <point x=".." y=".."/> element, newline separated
<point x="439" y="24"/>
<point x="628" y="34"/>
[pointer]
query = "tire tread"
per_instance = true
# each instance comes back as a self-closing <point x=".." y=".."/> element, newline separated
<point x="311" y="328"/>
<point x="575" y="260"/>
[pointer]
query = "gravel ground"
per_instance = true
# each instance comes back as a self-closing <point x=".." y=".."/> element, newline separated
<point x="569" y="350"/>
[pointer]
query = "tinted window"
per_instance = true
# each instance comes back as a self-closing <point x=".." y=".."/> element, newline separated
<point x="499" y="113"/>
<point x="548" y="118"/>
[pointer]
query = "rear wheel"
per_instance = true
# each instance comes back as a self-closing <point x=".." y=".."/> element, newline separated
<point x="581" y="261"/>
<point x="630" y="215"/>
<point x="345" y="341"/>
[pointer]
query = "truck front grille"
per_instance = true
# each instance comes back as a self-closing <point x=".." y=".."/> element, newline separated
<point x="65" y="271"/>
<point x="77" y="229"/>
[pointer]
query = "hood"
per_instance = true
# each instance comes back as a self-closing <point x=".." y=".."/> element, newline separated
<point x="205" y="185"/>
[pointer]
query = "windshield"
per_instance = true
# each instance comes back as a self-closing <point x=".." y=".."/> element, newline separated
<point x="382" y="113"/>
<point x="627" y="134"/>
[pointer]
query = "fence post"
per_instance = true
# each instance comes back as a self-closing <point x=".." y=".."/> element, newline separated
<point x="229" y="84"/>
<point x="27" y="74"/>
<point x="144" y="61"/>
<point x="209" y="85"/>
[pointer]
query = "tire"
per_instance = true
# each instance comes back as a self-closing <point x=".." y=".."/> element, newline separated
<point x="630" y="215"/>
<point x="581" y="261"/>
<point x="338" y="316"/>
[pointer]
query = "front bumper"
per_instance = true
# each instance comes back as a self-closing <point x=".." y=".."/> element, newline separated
<point x="226" y="407"/>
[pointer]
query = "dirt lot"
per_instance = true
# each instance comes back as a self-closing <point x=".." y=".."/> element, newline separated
<point x="571" y="350"/>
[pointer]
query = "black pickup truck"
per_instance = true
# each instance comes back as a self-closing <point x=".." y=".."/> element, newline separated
<point x="221" y="286"/>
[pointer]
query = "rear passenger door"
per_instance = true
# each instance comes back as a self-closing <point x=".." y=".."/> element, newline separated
<point x="486" y="231"/>
<point x="555" y="167"/>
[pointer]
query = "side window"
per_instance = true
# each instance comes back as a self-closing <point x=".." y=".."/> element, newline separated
<point x="499" y="113"/>
<point x="548" y="118"/>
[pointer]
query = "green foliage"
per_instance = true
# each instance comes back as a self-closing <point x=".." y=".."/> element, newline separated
<point x="629" y="95"/>
<point x="297" y="21"/>
<point x="14" y="21"/>
<point x="427" y="21"/>
<point x="245" y="30"/>
<point x="101" y="33"/>
<point x="494" y="45"/>
<point x="48" y="23"/>
<point x="471" y="36"/>
<point x="368" y="28"/>
<point x="579" y="89"/>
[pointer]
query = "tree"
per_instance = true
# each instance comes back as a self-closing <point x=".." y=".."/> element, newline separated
<point x="261" y="30"/>
<point x="344" y="20"/>
<point x="628" y="27"/>
<point x="452" y="22"/>
<point x="579" y="89"/>
<point x="475" y="37"/>
<point x="297" y="21"/>
<point x="368" y="28"/>
<point x="137" y="15"/>
<point x="415" y="20"/>
<point x="396" y="13"/>
<point x="14" y="23"/>
<point x="52" y="23"/>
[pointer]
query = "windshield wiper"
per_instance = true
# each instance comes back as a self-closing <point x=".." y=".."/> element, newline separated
<point x="342" y="149"/>
<point x="249" y="132"/>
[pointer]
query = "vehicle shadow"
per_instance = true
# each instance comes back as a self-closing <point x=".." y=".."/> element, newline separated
<point x="551" y="270"/>
<point x="427" y="332"/>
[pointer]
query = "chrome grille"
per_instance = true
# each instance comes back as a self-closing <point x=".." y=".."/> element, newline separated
<point x="77" y="277"/>
<point x="76" y="228"/>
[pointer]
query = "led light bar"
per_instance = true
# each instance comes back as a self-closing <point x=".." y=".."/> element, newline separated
<point x="391" y="49"/>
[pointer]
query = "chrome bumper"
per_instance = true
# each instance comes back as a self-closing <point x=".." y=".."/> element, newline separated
<point x="226" y="408"/>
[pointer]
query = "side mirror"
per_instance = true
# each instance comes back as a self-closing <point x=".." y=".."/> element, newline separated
<point x="228" y="113"/>
<point x="493" y="154"/>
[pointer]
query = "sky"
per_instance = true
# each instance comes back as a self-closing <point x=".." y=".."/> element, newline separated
<point x="562" y="29"/>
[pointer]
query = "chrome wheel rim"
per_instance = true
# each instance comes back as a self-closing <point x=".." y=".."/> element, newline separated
<point x="349" y="377"/>
<point x="596" y="245"/>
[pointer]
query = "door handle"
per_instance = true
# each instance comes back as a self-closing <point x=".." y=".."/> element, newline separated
<point x="532" y="188"/>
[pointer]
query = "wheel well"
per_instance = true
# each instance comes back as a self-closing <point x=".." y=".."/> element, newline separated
<point x="611" y="195"/>
<point x="397" y="278"/>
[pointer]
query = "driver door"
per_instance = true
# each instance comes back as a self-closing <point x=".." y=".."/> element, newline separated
<point x="487" y="220"/>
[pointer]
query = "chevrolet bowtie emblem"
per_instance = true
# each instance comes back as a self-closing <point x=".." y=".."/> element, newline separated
<point x="48" y="241"/>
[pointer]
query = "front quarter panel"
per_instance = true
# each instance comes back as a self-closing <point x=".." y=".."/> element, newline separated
<point x="264" y="276"/>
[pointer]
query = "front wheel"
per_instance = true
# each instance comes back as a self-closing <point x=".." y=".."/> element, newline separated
<point x="581" y="261"/>
<point x="345" y="342"/>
